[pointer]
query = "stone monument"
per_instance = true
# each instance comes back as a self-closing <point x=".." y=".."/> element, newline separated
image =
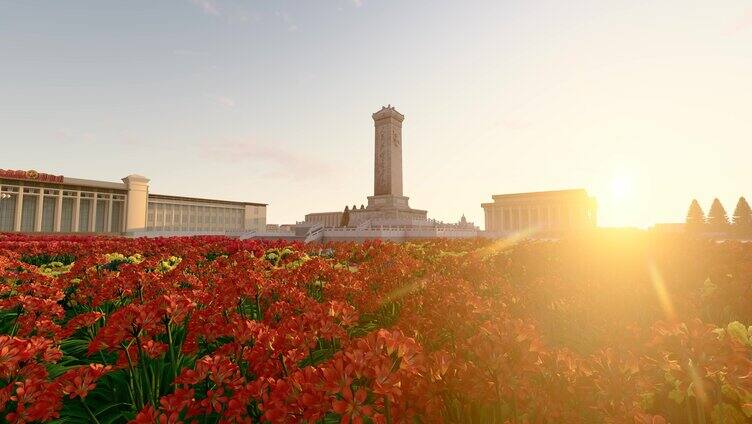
<point x="388" y="206"/>
<point x="388" y="152"/>
<point x="388" y="201"/>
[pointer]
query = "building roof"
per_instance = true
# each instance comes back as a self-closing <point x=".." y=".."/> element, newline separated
<point x="324" y="213"/>
<point x="203" y="200"/>
<point x="93" y="183"/>
<point x="551" y="193"/>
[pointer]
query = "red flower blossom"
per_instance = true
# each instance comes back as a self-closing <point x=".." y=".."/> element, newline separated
<point x="352" y="407"/>
<point x="80" y="381"/>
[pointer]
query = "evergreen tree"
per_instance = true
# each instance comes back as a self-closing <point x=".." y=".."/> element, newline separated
<point x="742" y="219"/>
<point x="695" y="217"/>
<point x="717" y="217"/>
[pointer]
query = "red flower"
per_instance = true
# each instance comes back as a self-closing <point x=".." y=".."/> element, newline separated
<point x="80" y="381"/>
<point x="154" y="349"/>
<point x="352" y="407"/>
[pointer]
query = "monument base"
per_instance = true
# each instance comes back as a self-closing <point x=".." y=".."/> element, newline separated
<point x="387" y="201"/>
<point x="386" y="207"/>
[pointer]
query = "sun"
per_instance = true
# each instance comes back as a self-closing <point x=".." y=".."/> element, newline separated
<point x="621" y="187"/>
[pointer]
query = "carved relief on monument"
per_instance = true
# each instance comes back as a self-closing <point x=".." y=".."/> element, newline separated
<point x="388" y="160"/>
<point x="397" y="137"/>
<point x="382" y="171"/>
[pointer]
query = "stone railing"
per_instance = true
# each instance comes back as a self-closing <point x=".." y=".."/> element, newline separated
<point x="398" y="232"/>
<point x="164" y="233"/>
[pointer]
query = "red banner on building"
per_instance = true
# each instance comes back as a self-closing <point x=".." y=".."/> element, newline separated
<point x="30" y="175"/>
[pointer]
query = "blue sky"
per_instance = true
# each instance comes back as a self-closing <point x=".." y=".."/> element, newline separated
<point x="645" y="105"/>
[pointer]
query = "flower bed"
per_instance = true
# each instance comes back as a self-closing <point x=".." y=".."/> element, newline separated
<point x="608" y="328"/>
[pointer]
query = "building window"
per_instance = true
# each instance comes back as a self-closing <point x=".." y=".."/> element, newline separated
<point x="168" y="220"/>
<point x="150" y="217"/>
<point x="117" y="217"/>
<point x="161" y="217"/>
<point x="28" y="213"/>
<point x="557" y="216"/>
<point x="66" y="215"/>
<point x="183" y="217"/>
<point x="8" y="212"/>
<point x="101" y="215"/>
<point x="48" y="214"/>
<point x="84" y="213"/>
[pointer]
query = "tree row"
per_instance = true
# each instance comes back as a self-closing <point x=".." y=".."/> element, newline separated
<point x="717" y="219"/>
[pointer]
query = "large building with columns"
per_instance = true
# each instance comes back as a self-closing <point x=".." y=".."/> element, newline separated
<point x="544" y="211"/>
<point x="44" y="203"/>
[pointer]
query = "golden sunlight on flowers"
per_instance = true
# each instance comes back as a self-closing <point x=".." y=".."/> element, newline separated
<point x="604" y="327"/>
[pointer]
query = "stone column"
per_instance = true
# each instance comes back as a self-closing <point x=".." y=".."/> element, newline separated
<point x="40" y="207"/>
<point x="93" y="214"/>
<point x="108" y="221"/>
<point x="76" y="212"/>
<point x="488" y="215"/>
<point x="19" y="206"/>
<point x="58" y="211"/>
<point x="136" y="202"/>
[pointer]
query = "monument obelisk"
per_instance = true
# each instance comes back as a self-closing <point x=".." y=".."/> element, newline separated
<point x="388" y="200"/>
<point x="388" y="207"/>
<point x="388" y="152"/>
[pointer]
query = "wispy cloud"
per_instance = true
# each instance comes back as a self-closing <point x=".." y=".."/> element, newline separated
<point x="280" y="162"/>
<point x="187" y="52"/>
<point x="207" y="6"/>
<point x="288" y="21"/>
<point x="65" y="134"/>
<point x="743" y="23"/>
<point x="357" y="3"/>
<point x="515" y="124"/>
<point x="224" y="101"/>
<point x="242" y="16"/>
<point x="129" y="139"/>
<point x="306" y="78"/>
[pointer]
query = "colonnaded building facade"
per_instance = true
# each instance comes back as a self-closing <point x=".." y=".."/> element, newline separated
<point x="38" y="202"/>
<point x="545" y="211"/>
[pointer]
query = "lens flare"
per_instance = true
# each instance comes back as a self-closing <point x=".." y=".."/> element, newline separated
<point x="507" y="242"/>
<point x="660" y="290"/>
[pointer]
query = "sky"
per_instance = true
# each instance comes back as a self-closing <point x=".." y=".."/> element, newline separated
<point x="647" y="105"/>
